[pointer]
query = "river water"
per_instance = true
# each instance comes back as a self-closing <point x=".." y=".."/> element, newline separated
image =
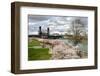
<point x="83" y="46"/>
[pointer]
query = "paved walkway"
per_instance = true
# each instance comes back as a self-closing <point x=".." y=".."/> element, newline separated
<point x="60" y="50"/>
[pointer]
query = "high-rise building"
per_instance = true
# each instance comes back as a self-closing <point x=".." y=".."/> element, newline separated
<point x="48" y="31"/>
<point x="40" y="31"/>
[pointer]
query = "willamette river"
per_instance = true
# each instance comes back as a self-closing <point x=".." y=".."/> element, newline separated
<point x="83" y="46"/>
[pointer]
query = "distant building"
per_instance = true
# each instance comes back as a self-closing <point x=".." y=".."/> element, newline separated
<point x="46" y="34"/>
<point x="43" y="34"/>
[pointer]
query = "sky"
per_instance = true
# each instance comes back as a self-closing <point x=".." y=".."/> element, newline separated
<point x="59" y="24"/>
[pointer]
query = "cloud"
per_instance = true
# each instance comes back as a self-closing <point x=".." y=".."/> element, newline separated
<point x="37" y="18"/>
<point x="55" y="23"/>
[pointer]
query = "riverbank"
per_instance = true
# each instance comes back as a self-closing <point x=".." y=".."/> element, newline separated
<point x="58" y="49"/>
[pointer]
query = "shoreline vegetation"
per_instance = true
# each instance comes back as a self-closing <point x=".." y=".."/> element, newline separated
<point x="54" y="49"/>
<point x="57" y="37"/>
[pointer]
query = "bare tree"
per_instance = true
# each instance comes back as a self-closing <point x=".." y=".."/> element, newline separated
<point x="77" y="29"/>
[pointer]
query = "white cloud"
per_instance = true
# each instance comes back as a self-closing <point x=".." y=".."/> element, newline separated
<point x="55" y="23"/>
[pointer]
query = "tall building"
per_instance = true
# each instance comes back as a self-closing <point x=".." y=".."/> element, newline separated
<point x="40" y="31"/>
<point x="48" y="31"/>
<point x="44" y="34"/>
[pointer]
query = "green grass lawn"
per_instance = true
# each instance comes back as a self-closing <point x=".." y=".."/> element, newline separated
<point x="34" y="43"/>
<point x="37" y="53"/>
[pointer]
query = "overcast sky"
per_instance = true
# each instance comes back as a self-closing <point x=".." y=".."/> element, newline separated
<point x="55" y="23"/>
